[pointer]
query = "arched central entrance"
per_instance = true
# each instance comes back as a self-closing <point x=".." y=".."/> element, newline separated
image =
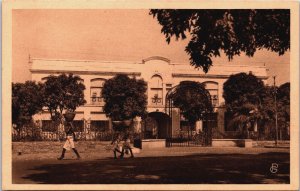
<point x="155" y="125"/>
<point x="192" y="137"/>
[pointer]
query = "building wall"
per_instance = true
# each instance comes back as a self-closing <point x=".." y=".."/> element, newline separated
<point x="160" y="74"/>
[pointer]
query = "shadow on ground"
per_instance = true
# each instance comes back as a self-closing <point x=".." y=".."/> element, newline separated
<point x="194" y="169"/>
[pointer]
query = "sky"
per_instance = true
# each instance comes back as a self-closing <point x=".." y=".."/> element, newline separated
<point x="108" y="35"/>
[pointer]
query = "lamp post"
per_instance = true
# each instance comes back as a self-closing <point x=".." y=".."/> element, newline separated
<point x="275" y="106"/>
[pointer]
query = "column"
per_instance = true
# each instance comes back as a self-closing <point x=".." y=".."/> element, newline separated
<point x="255" y="126"/>
<point x="110" y="126"/>
<point x="137" y="124"/>
<point x="220" y="92"/>
<point x="221" y="119"/>
<point x="199" y="126"/>
<point x="221" y="107"/>
<point x="175" y="122"/>
<point x="87" y="91"/>
<point x="164" y="91"/>
<point x="149" y="94"/>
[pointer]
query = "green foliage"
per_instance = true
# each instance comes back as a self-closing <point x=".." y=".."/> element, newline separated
<point x="250" y="101"/>
<point x="124" y="97"/>
<point x="282" y="108"/>
<point x="244" y="96"/>
<point x="241" y="89"/>
<point x="283" y="102"/>
<point x="232" y="30"/>
<point x="192" y="99"/>
<point x="26" y="101"/>
<point x="63" y="92"/>
<point x="268" y="104"/>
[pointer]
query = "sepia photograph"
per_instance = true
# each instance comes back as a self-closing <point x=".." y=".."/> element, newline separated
<point x="174" y="96"/>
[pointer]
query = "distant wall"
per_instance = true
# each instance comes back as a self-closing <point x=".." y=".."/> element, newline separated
<point x="90" y="146"/>
<point x="56" y="147"/>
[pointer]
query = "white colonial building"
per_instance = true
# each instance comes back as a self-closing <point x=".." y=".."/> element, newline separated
<point x="159" y="73"/>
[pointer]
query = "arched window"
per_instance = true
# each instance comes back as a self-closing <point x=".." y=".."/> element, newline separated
<point x="156" y="90"/>
<point x="96" y="89"/>
<point x="213" y="88"/>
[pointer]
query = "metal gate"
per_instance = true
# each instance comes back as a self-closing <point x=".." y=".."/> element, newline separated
<point x="189" y="138"/>
<point x="192" y="138"/>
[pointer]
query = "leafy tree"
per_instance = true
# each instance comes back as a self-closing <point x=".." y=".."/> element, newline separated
<point x="264" y="113"/>
<point x="283" y="98"/>
<point x="268" y="110"/>
<point x="192" y="99"/>
<point x="242" y="88"/>
<point x="244" y="95"/>
<point x="26" y="101"/>
<point x="268" y="103"/>
<point x="63" y="93"/>
<point x="283" y="107"/>
<point x="232" y="30"/>
<point x="125" y="98"/>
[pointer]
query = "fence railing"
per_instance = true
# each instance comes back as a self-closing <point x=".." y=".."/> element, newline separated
<point x="184" y="140"/>
<point x="54" y="136"/>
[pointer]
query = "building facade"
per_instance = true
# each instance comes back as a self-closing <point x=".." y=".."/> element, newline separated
<point x="161" y="76"/>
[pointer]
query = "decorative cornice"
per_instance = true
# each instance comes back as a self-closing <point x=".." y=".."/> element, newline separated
<point x="83" y="61"/>
<point x="156" y="58"/>
<point x="181" y="75"/>
<point x="83" y="72"/>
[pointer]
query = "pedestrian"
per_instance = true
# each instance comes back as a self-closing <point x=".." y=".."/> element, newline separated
<point x="70" y="141"/>
<point x="116" y="145"/>
<point x="126" y="147"/>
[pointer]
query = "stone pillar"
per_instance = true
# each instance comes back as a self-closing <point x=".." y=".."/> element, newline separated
<point x="255" y="126"/>
<point x="87" y="91"/>
<point x="61" y="131"/>
<point x="220" y="93"/>
<point x="221" y="119"/>
<point x="175" y="122"/>
<point x="87" y="128"/>
<point x="137" y="129"/>
<point x="199" y="126"/>
<point x="110" y="126"/>
<point x="149" y="94"/>
<point x="137" y="125"/>
<point x="164" y="92"/>
<point x="248" y="143"/>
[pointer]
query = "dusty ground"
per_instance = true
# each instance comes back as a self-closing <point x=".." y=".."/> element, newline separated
<point x="181" y="165"/>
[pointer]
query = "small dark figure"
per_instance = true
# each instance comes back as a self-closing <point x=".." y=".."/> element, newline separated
<point x="69" y="142"/>
<point x="115" y="142"/>
<point x="126" y="147"/>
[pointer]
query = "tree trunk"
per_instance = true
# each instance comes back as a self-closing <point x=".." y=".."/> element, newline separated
<point x="280" y="133"/>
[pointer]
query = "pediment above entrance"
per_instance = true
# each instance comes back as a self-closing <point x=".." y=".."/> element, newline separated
<point x="156" y="59"/>
<point x="156" y="65"/>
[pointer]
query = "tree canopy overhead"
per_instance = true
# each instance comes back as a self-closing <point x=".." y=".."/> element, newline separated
<point x="232" y="30"/>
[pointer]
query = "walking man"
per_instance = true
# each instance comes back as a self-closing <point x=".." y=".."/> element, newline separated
<point x="69" y="142"/>
<point x="116" y="147"/>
